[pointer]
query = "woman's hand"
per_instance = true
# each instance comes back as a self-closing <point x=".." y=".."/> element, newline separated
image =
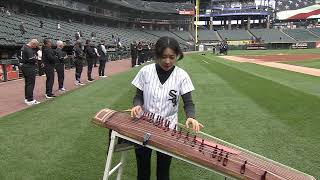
<point x="196" y="126"/>
<point x="136" y="112"/>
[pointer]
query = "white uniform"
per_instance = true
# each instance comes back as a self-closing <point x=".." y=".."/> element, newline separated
<point x="162" y="99"/>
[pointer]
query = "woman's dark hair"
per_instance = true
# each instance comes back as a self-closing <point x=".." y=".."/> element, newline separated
<point x="167" y="42"/>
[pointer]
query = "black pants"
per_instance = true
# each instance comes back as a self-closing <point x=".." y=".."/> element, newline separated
<point x="140" y="58"/>
<point x="102" y="65"/>
<point x="143" y="157"/>
<point x="133" y="61"/>
<point x="90" y="65"/>
<point x="49" y="69"/>
<point x="60" y="71"/>
<point x="79" y="66"/>
<point x="29" y="73"/>
<point x="40" y="68"/>
<point x="95" y="62"/>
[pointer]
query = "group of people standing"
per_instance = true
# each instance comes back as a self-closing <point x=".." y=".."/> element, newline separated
<point x="52" y="60"/>
<point x="92" y="54"/>
<point x="141" y="52"/>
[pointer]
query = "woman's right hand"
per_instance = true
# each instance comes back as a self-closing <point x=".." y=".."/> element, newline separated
<point x="136" y="111"/>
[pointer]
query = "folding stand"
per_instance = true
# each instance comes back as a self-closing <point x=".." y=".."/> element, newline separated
<point x="114" y="136"/>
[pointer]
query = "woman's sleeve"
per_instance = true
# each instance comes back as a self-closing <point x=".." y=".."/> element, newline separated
<point x="138" y="81"/>
<point x="186" y="84"/>
<point x="188" y="105"/>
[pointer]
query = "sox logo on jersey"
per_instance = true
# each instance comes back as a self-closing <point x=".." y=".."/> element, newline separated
<point x="162" y="99"/>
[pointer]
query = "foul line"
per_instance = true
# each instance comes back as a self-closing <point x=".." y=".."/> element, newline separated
<point x="204" y="61"/>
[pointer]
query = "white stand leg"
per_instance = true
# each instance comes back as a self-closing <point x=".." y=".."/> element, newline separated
<point x="109" y="156"/>
<point x="120" y="171"/>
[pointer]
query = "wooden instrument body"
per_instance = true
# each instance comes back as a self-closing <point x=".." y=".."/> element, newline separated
<point x="213" y="155"/>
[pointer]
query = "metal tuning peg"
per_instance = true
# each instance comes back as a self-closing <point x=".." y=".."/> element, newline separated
<point x="146" y="138"/>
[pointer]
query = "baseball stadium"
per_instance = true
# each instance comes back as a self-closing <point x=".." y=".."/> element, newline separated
<point x="78" y="100"/>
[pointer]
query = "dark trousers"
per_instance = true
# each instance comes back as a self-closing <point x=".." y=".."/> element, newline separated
<point x="79" y="66"/>
<point x="90" y="65"/>
<point x="49" y="69"/>
<point x="40" y="68"/>
<point x="102" y="65"/>
<point x="60" y="71"/>
<point x="95" y="62"/>
<point x="133" y="61"/>
<point x="140" y="58"/>
<point x="143" y="157"/>
<point x="29" y="73"/>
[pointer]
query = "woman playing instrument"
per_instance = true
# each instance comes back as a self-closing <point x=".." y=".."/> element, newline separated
<point x="159" y="86"/>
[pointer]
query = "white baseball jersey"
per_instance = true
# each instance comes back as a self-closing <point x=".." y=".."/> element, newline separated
<point x="162" y="99"/>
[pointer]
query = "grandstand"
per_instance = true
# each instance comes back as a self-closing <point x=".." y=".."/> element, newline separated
<point x="238" y="21"/>
<point x="235" y="35"/>
<point x="272" y="36"/>
<point x="11" y="35"/>
<point x="301" y="35"/>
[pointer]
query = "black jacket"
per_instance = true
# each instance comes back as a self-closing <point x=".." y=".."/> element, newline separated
<point x="90" y="52"/>
<point x="60" y="55"/>
<point x="133" y="48"/>
<point x="28" y="55"/>
<point x="49" y="56"/>
<point x="77" y="53"/>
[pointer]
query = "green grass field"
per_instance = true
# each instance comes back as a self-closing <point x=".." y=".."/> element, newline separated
<point x="274" y="52"/>
<point x="272" y="112"/>
<point x="308" y="63"/>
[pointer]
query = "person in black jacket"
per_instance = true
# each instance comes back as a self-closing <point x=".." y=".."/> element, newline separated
<point x="140" y="54"/>
<point x="102" y="51"/>
<point x="78" y="62"/>
<point x="28" y="65"/>
<point x="90" y="55"/>
<point x="134" y="54"/>
<point x="60" y="65"/>
<point x="49" y="59"/>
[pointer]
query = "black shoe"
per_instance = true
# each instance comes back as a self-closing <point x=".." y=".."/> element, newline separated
<point x="91" y="79"/>
<point x="50" y="96"/>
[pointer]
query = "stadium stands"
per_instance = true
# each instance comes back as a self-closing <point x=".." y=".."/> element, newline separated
<point x="208" y="35"/>
<point x="153" y="6"/>
<point x="271" y="36"/>
<point x="185" y="35"/>
<point x="11" y="35"/>
<point x="301" y="35"/>
<point x="315" y="31"/>
<point x="235" y="35"/>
